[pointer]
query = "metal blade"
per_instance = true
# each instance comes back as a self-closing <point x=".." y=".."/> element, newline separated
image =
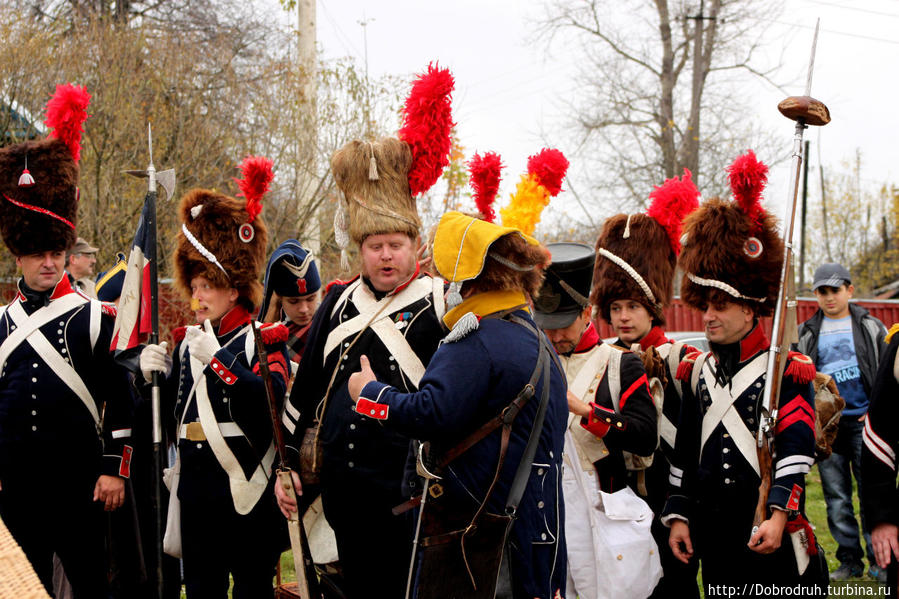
<point x="166" y="178"/>
<point x="811" y="61"/>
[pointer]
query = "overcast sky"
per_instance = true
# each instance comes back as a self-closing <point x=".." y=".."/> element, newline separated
<point x="509" y="90"/>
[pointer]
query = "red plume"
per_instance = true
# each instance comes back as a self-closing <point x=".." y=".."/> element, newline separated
<point x="485" y="175"/>
<point x="671" y="202"/>
<point x="549" y="167"/>
<point x="66" y="113"/>
<point x="748" y="177"/>
<point x="257" y="178"/>
<point x="427" y="122"/>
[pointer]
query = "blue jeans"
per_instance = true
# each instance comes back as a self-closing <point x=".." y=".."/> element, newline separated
<point x="836" y="481"/>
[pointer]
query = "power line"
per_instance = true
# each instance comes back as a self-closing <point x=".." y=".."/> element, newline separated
<point x="833" y="31"/>
<point x="855" y="8"/>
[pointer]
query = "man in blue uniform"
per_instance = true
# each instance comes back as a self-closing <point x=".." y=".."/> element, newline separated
<point x="65" y="408"/>
<point x="228" y="523"/>
<point x="391" y="313"/>
<point x="291" y="294"/>
<point x="470" y="381"/>
<point x="732" y="257"/>
<point x="632" y="286"/>
<point x="617" y="416"/>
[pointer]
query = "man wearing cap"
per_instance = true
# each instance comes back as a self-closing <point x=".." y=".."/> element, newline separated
<point x="391" y="313"/>
<point x="65" y="409"/>
<point x="80" y="261"/>
<point x="632" y="286"/>
<point x="475" y="379"/>
<point x="617" y="416"/>
<point x="213" y="386"/>
<point x="845" y="342"/>
<point x="731" y="258"/>
<point x="291" y="293"/>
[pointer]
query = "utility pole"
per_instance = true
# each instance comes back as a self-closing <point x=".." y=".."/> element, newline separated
<point x="307" y="127"/>
<point x="367" y="109"/>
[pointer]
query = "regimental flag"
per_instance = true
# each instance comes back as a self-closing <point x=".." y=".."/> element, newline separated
<point x="133" y="322"/>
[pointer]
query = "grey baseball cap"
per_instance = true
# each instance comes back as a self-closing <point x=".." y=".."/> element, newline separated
<point x="831" y="275"/>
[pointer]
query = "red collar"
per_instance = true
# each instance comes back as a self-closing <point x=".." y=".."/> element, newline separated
<point x="408" y="281"/>
<point x="63" y="287"/>
<point x="235" y="317"/>
<point x="753" y="343"/>
<point x="589" y="339"/>
<point x="654" y="338"/>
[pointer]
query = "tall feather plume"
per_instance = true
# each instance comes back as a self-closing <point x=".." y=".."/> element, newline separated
<point x="748" y="177"/>
<point x="66" y="113"/>
<point x="549" y="167"/>
<point x="485" y="175"/>
<point x="671" y="202"/>
<point x="257" y="179"/>
<point x="546" y="170"/>
<point x="427" y="123"/>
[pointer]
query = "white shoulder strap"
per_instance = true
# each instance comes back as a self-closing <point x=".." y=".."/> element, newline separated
<point x="26" y="325"/>
<point x="594" y="367"/>
<point x="673" y="359"/>
<point x="439" y="299"/>
<point x="613" y="373"/>
<point x="96" y="310"/>
<point x="697" y="369"/>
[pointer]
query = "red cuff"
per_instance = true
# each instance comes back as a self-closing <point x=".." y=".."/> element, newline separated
<point x="372" y="409"/>
<point x="600" y="420"/>
<point x="793" y="503"/>
<point x="125" y="466"/>
<point x="223" y="373"/>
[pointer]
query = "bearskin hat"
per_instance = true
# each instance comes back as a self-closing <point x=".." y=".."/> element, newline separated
<point x="39" y="180"/>
<point x="636" y="253"/>
<point x="732" y="250"/>
<point x="381" y="179"/>
<point x="224" y="239"/>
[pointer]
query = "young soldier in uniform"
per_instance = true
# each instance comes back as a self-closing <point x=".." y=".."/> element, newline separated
<point x="731" y="258"/>
<point x="65" y="408"/>
<point x="390" y="313"/>
<point x="608" y="426"/>
<point x="291" y="293"/>
<point x="632" y="286"/>
<point x="471" y="379"/>
<point x="879" y="495"/>
<point x="229" y="525"/>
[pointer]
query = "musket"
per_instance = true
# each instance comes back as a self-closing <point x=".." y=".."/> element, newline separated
<point x="165" y="178"/>
<point x="307" y="581"/>
<point x="806" y="111"/>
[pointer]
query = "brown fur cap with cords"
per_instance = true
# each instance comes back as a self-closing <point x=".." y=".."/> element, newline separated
<point x="647" y="250"/>
<point x="382" y="204"/>
<point x="215" y="219"/>
<point x="715" y="240"/>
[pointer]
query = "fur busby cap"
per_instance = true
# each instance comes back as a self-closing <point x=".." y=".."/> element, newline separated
<point x="637" y="253"/>
<point x="39" y="180"/>
<point x="224" y="239"/>
<point x="732" y="250"/>
<point x="379" y="204"/>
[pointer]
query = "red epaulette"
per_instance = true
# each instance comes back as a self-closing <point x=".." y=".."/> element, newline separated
<point x="685" y="368"/>
<point x="109" y="309"/>
<point x="339" y="282"/>
<point x="273" y="332"/>
<point x="178" y="334"/>
<point x="800" y="368"/>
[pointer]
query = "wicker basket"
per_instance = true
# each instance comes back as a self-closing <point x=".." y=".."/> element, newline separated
<point x="17" y="577"/>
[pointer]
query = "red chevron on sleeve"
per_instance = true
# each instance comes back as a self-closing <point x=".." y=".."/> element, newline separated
<point x="630" y="390"/>
<point x="797" y="410"/>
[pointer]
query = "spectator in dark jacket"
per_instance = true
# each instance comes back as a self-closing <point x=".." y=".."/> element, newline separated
<point x="845" y="342"/>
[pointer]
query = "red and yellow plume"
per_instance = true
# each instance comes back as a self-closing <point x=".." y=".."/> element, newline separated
<point x="66" y="113"/>
<point x="257" y="179"/>
<point x="546" y="170"/>
<point x="427" y="122"/>
<point x="485" y="175"/>
<point x="748" y="177"/>
<point x="671" y="202"/>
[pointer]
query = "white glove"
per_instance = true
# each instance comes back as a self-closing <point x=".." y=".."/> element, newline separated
<point x="202" y="345"/>
<point x="155" y="358"/>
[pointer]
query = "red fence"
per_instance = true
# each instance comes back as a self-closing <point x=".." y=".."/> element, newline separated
<point x="682" y="318"/>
